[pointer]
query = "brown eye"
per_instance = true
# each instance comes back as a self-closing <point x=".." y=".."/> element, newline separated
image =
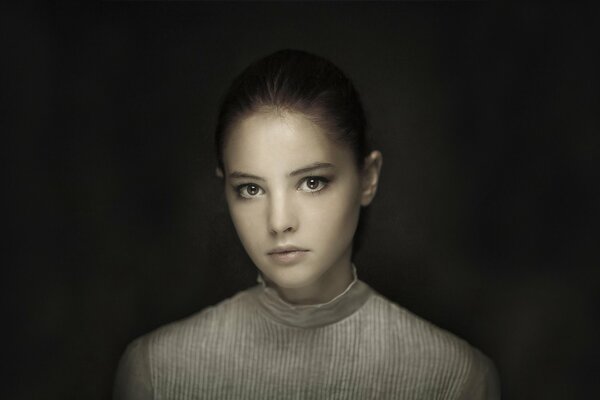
<point x="252" y="190"/>
<point x="249" y="191"/>
<point x="313" y="184"/>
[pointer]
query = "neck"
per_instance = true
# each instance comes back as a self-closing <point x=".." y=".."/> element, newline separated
<point x="331" y="284"/>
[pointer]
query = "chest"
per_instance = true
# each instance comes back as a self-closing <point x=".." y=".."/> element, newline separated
<point x="343" y="362"/>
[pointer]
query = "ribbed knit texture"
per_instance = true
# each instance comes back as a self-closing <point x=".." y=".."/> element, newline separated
<point x="256" y="346"/>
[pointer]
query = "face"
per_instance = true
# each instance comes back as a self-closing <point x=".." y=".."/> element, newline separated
<point x="294" y="196"/>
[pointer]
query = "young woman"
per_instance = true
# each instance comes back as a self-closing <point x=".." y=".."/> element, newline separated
<point x="296" y="169"/>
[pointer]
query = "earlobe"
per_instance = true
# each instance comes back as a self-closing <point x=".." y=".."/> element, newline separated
<point x="370" y="177"/>
<point x="219" y="172"/>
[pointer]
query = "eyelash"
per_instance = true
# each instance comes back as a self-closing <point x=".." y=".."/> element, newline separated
<point x="322" y="181"/>
<point x="238" y="190"/>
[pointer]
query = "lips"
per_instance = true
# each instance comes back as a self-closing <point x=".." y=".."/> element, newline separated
<point x="287" y="254"/>
<point x="285" y="249"/>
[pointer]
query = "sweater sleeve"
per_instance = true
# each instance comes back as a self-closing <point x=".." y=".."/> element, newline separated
<point x="483" y="382"/>
<point x="133" y="380"/>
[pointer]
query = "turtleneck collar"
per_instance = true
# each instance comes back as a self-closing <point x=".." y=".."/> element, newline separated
<point x="314" y="315"/>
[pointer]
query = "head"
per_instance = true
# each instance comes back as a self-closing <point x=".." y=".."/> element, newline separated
<point x="292" y="150"/>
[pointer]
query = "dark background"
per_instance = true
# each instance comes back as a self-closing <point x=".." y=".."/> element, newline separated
<point x="485" y="221"/>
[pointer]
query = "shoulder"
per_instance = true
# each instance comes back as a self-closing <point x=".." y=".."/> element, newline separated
<point x="435" y="350"/>
<point x="175" y="341"/>
<point x="133" y="380"/>
<point x="413" y="329"/>
<point x="196" y="328"/>
<point x="170" y="347"/>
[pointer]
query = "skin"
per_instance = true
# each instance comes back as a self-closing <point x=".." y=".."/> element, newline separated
<point x="289" y="184"/>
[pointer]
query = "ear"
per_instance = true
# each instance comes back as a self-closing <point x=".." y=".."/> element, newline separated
<point x="370" y="177"/>
<point x="219" y="173"/>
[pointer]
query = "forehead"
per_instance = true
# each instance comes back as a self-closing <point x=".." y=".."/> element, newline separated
<point x="271" y="142"/>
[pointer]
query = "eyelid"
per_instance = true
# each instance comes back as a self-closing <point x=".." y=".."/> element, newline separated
<point x="322" y="179"/>
<point x="238" y="190"/>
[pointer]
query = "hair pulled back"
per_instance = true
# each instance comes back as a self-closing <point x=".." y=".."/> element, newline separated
<point x="296" y="81"/>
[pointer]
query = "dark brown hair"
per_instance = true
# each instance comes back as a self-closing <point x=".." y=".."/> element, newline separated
<point x="296" y="81"/>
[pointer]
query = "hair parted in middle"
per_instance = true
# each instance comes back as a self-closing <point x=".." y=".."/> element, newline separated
<point x="296" y="81"/>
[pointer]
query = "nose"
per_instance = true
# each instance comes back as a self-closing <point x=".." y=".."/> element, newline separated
<point x="282" y="215"/>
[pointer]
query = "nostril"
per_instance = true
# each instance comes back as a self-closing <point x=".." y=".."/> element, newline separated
<point x="274" y="231"/>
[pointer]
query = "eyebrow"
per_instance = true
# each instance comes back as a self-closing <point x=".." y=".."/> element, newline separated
<point x="311" y="167"/>
<point x="299" y="171"/>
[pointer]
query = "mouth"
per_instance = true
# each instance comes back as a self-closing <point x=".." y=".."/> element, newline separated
<point x="285" y="249"/>
<point x="287" y="254"/>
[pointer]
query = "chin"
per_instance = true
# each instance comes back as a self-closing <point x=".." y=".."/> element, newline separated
<point x="292" y="278"/>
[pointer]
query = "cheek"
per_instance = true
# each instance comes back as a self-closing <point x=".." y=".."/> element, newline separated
<point x="336" y="217"/>
<point x="246" y="220"/>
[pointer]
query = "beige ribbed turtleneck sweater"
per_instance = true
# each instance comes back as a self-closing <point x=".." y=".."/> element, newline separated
<point x="256" y="346"/>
